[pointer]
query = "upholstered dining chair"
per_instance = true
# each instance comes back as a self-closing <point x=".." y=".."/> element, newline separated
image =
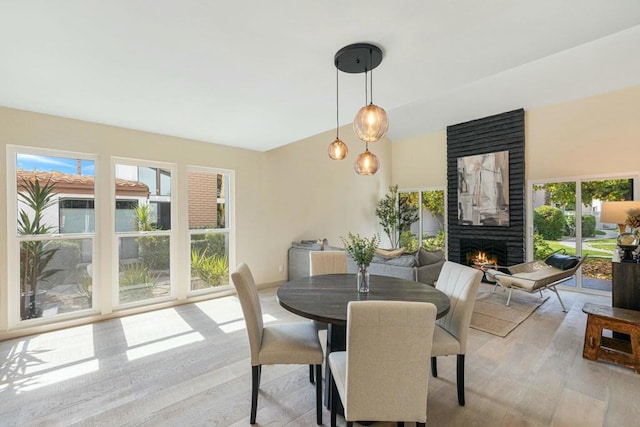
<point x="326" y="262"/>
<point x="280" y="344"/>
<point x="383" y="374"/>
<point x="461" y="284"/>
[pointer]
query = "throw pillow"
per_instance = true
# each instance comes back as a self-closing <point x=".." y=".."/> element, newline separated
<point x="390" y="253"/>
<point x="563" y="262"/>
<point x="400" y="261"/>
<point x="425" y="257"/>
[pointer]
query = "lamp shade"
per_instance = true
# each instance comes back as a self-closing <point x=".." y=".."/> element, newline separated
<point x="371" y="123"/>
<point x="367" y="163"/>
<point x="338" y="150"/>
<point x="617" y="212"/>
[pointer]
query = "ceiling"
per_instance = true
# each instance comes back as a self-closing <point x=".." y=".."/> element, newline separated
<point x="259" y="74"/>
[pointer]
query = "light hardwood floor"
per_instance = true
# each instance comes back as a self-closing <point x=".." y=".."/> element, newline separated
<point x="189" y="366"/>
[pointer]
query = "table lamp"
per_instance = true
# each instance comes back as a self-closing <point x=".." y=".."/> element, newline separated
<point x="616" y="213"/>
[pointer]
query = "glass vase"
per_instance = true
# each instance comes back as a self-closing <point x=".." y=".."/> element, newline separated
<point x="363" y="280"/>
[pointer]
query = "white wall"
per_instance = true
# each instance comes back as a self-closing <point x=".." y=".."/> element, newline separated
<point x="315" y="197"/>
<point x="590" y="137"/>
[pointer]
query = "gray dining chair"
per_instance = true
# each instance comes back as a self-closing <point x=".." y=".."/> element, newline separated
<point x="461" y="284"/>
<point x="293" y="343"/>
<point x="383" y="374"/>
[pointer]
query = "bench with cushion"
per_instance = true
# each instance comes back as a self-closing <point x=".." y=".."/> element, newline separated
<point x="535" y="276"/>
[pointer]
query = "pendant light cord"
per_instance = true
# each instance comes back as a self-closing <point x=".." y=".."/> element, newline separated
<point x="366" y="87"/>
<point x="337" y="106"/>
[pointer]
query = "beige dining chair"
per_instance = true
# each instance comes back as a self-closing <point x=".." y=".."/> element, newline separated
<point x="293" y="343"/>
<point x="460" y="283"/>
<point x="383" y="374"/>
<point x="326" y="262"/>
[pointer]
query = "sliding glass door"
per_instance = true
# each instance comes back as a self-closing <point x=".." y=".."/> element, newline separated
<point x="556" y="207"/>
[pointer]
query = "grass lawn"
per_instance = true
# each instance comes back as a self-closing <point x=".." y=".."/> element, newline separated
<point x="554" y="245"/>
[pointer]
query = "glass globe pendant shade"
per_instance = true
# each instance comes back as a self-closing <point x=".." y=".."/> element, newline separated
<point x="367" y="163"/>
<point x="338" y="150"/>
<point x="371" y="123"/>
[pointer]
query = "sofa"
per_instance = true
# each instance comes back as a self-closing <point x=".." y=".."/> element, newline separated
<point x="422" y="266"/>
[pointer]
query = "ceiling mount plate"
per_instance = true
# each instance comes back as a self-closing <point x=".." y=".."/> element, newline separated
<point x="358" y="58"/>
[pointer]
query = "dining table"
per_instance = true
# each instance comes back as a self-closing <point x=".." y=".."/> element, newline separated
<point x="325" y="298"/>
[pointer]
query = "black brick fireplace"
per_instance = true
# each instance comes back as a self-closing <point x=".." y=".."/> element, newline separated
<point x="502" y="132"/>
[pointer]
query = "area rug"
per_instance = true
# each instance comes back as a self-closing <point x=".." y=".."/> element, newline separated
<point x="490" y="314"/>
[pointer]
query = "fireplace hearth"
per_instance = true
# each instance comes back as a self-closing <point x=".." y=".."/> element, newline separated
<point x="479" y="252"/>
<point x="483" y="253"/>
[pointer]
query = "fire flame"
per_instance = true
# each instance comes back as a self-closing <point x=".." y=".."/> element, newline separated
<point x="481" y="258"/>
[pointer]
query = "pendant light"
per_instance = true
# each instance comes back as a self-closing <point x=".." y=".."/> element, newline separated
<point x="337" y="149"/>
<point x="367" y="163"/>
<point x="371" y="122"/>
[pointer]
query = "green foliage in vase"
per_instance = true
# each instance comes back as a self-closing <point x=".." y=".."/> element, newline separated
<point x="361" y="249"/>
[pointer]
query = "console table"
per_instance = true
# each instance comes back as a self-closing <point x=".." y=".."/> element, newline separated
<point x="625" y="283"/>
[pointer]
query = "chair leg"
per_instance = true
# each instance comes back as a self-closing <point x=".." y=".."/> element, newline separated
<point x="319" y="394"/>
<point x="460" y="378"/>
<point x="334" y="399"/>
<point x="509" y="297"/>
<point x="255" y="384"/>
<point x="553" y="288"/>
<point x="434" y="367"/>
<point x="311" y="378"/>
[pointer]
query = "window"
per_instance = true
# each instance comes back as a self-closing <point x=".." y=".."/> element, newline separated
<point x="555" y="208"/>
<point x="55" y="226"/>
<point x="144" y="233"/>
<point x="422" y="219"/>
<point x="54" y="267"/>
<point x="209" y="228"/>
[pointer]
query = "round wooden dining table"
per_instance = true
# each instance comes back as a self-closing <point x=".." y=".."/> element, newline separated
<point x="325" y="298"/>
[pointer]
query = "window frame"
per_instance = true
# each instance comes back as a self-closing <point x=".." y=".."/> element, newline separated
<point x="229" y="228"/>
<point x="11" y="320"/>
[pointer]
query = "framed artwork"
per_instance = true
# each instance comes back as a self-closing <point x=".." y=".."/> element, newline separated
<point x="483" y="189"/>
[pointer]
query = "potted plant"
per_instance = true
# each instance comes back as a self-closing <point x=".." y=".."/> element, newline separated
<point x="396" y="215"/>
<point x="361" y="249"/>
<point x="35" y="255"/>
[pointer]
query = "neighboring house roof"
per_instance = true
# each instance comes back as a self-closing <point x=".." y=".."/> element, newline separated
<point x="82" y="184"/>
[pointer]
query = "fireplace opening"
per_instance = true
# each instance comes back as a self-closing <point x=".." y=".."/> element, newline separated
<point x="483" y="253"/>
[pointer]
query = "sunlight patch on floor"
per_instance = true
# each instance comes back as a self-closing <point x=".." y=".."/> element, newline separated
<point x="163" y="345"/>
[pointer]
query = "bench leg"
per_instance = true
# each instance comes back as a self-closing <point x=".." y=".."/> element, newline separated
<point x="592" y="338"/>
<point x="553" y="288"/>
<point x="635" y="350"/>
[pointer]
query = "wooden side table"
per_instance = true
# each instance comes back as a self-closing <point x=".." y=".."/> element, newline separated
<point x="622" y="352"/>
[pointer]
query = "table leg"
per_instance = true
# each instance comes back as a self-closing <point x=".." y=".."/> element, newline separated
<point x="336" y="341"/>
